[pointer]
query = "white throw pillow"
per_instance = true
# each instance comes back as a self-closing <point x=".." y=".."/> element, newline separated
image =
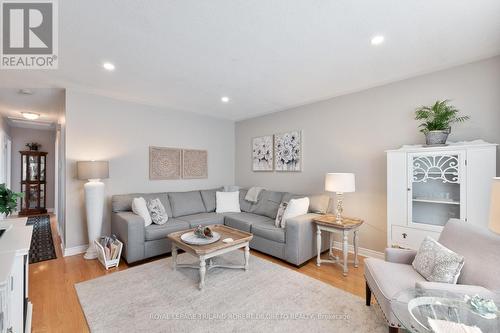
<point x="437" y="263"/>
<point x="227" y="202"/>
<point x="140" y="208"/>
<point x="295" y="207"/>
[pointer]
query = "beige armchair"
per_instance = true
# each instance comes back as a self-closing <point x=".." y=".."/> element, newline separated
<point x="480" y="274"/>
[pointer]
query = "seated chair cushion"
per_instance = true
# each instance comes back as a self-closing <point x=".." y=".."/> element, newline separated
<point x="202" y="219"/>
<point x="157" y="231"/>
<point x="186" y="203"/>
<point x="243" y="221"/>
<point x="268" y="230"/>
<point x="386" y="279"/>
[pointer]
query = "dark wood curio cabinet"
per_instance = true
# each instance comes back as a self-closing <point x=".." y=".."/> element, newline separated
<point x="33" y="182"/>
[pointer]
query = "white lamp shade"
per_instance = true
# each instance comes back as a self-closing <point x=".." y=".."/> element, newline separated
<point x="495" y="206"/>
<point x="340" y="182"/>
<point x="92" y="169"/>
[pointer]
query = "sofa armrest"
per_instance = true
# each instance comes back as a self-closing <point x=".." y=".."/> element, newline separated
<point x="400" y="256"/>
<point x="464" y="289"/>
<point x="300" y="237"/>
<point x="129" y="228"/>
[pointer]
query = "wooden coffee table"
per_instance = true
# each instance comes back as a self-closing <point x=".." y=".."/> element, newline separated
<point x="240" y="238"/>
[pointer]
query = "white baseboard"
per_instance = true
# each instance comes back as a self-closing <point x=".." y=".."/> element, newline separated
<point x="361" y="251"/>
<point x="71" y="251"/>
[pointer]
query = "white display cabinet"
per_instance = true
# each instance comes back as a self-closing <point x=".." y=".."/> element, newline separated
<point x="426" y="186"/>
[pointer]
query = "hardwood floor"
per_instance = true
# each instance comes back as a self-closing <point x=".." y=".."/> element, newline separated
<point x="56" y="307"/>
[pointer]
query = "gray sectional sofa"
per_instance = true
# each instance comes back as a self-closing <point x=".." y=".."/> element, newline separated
<point x="295" y="244"/>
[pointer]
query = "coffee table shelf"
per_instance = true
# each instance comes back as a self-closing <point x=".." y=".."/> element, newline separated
<point x="206" y="252"/>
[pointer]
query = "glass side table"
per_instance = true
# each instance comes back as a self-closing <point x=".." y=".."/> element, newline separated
<point x="414" y="307"/>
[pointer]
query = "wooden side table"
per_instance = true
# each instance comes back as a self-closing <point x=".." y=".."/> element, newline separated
<point x="329" y="224"/>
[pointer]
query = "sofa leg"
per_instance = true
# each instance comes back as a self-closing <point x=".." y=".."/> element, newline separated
<point x="368" y="292"/>
<point x="393" y="329"/>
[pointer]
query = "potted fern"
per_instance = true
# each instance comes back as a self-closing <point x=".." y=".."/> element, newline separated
<point x="8" y="200"/>
<point x="437" y="120"/>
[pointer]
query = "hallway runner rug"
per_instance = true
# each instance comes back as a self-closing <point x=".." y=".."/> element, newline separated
<point x="42" y="245"/>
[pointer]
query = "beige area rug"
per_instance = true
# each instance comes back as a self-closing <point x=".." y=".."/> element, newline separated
<point x="268" y="298"/>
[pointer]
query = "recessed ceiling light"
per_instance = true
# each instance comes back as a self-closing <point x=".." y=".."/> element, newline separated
<point x="108" y="66"/>
<point x="30" y="115"/>
<point x="26" y="91"/>
<point x="377" y="40"/>
<point x="224" y="99"/>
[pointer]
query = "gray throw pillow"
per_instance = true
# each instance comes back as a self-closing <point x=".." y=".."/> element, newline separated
<point x="437" y="263"/>
<point x="157" y="211"/>
<point x="279" y="215"/>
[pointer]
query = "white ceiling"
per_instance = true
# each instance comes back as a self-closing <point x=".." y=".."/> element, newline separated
<point x="48" y="103"/>
<point x="265" y="55"/>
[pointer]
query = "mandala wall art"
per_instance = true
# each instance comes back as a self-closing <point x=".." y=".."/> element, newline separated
<point x="194" y="164"/>
<point x="262" y="153"/>
<point x="288" y="151"/>
<point x="164" y="163"/>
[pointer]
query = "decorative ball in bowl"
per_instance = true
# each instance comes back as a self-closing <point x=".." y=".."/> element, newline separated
<point x="203" y="232"/>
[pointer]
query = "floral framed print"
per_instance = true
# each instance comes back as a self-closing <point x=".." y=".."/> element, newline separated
<point x="262" y="153"/>
<point x="288" y="151"/>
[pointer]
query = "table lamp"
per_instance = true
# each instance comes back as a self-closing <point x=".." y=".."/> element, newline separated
<point x="339" y="183"/>
<point x="495" y="206"/>
<point x="93" y="171"/>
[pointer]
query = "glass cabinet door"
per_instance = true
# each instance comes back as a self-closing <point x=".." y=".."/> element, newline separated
<point x="42" y="168"/>
<point x="436" y="187"/>
<point x="33" y="167"/>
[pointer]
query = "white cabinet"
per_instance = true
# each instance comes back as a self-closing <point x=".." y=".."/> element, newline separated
<point x="15" y="307"/>
<point x="426" y="186"/>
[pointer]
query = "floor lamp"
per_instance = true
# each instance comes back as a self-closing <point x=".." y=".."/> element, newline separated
<point x="93" y="171"/>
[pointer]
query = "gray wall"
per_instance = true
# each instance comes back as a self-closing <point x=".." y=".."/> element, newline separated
<point x="350" y="134"/>
<point x="20" y="137"/>
<point x="101" y="128"/>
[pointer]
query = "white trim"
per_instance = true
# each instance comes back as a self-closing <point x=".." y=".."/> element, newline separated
<point x="361" y="251"/>
<point x="71" y="251"/>
<point x="50" y="210"/>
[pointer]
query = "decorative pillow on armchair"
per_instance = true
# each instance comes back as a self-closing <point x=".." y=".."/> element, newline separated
<point x="437" y="263"/>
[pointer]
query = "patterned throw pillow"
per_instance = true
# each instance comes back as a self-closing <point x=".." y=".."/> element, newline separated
<point x="437" y="263"/>
<point x="279" y="215"/>
<point x="157" y="211"/>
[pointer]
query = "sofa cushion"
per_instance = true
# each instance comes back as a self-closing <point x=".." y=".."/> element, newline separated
<point x="203" y="219"/>
<point x="245" y="206"/>
<point x="156" y="231"/>
<point x="268" y="204"/>
<point x="123" y="202"/>
<point x="208" y="197"/>
<point x="266" y="229"/>
<point x="243" y="221"/>
<point x="186" y="203"/>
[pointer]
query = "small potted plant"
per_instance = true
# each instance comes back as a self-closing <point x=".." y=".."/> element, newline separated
<point x="33" y="146"/>
<point x="437" y="120"/>
<point x="8" y="200"/>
